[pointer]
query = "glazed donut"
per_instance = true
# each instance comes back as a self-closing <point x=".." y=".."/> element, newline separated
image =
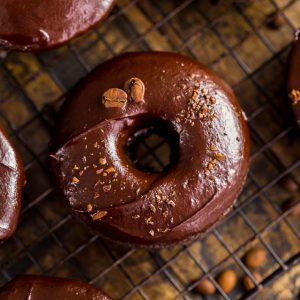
<point x="27" y="25"/>
<point x="177" y="95"/>
<point x="293" y="81"/>
<point x="12" y="181"/>
<point x="34" y="287"/>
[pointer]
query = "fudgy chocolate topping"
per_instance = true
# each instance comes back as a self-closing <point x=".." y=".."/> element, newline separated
<point x="30" y="287"/>
<point x="103" y="186"/>
<point x="31" y="25"/>
<point x="294" y="79"/>
<point x="11" y="184"/>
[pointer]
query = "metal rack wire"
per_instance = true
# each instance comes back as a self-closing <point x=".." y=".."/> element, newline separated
<point x="233" y="40"/>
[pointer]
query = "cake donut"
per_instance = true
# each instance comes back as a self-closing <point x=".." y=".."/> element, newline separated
<point x="293" y="80"/>
<point x="127" y="95"/>
<point x="31" y="287"/>
<point x="28" y="25"/>
<point x="11" y="183"/>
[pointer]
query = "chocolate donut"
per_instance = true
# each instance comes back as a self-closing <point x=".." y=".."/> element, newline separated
<point x="28" y="25"/>
<point x="11" y="183"/>
<point x="194" y="108"/>
<point x="293" y="81"/>
<point x="31" y="287"/>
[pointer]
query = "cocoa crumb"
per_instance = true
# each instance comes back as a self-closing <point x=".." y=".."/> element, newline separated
<point x="89" y="207"/>
<point x="106" y="188"/>
<point x="149" y="221"/>
<point x="151" y="232"/>
<point x="195" y="94"/>
<point x="110" y="170"/>
<point x="96" y="195"/>
<point x="294" y="95"/>
<point x="165" y="214"/>
<point x="219" y="156"/>
<point x="97" y="183"/>
<point x="213" y="100"/>
<point x="102" y="161"/>
<point x="171" y="203"/>
<point x="201" y="116"/>
<point x="152" y="208"/>
<point x="99" y="215"/>
<point x="207" y="173"/>
<point x="75" y="179"/>
<point x="136" y="217"/>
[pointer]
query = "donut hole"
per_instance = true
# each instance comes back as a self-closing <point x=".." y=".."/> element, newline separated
<point x="154" y="145"/>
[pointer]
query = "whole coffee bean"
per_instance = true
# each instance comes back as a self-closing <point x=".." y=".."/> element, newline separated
<point x="227" y="280"/>
<point x="135" y="89"/>
<point x="114" y="97"/>
<point x="205" y="287"/>
<point x="255" y="257"/>
<point x="248" y="283"/>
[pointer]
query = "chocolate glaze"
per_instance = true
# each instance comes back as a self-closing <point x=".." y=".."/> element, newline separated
<point x="31" y="25"/>
<point x="31" y="287"/>
<point x="293" y="81"/>
<point x="11" y="184"/>
<point x="145" y="208"/>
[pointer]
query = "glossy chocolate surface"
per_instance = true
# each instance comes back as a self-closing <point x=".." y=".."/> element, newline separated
<point x="30" y="287"/>
<point x="108" y="192"/>
<point x="32" y="25"/>
<point x="294" y="77"/>
<point x="11" y="184"/>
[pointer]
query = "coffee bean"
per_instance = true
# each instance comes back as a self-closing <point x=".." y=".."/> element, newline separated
<point x="248" y="283"/>
<point x="205" y="287"/>
<point x="255" y="257"/>
<point x="227" y="280"/>
<point x="114" y="97"/>
<point x="135" y="89"/>
<point x="288" y="184"/>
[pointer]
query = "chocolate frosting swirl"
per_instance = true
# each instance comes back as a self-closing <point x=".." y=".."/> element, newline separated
<point x="32" y="287"/>
<point x="29" y="25"/>
<point x="103" y="186"/>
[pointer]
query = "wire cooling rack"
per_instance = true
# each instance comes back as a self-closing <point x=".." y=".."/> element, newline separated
<point x="234" y="40"/>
